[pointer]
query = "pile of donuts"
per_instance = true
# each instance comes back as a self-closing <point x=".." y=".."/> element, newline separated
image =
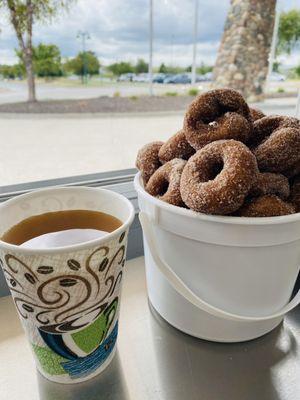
<point x="228" y="159"/>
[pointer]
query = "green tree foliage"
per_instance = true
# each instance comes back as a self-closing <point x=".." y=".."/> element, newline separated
<point x="163" y="69"/>
<point x="203" y="69"/>
<point x="141" y="66"/>
<point x="46" y="60"/>
<point x="121" y="68"/>
<point x="84" y="62"/>
<point x="289" y="31"/>
<point x="297" y="71"/>
<point x="23" y="15"/>
<point x="12" y="71"/>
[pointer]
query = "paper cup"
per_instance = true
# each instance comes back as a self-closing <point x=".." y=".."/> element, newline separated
<point x="68" y="298"/>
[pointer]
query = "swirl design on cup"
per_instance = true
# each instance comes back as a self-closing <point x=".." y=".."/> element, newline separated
<point x="59" y="297"/>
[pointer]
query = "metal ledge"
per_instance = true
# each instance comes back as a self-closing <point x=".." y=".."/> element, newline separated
<point x="112" y="178"/>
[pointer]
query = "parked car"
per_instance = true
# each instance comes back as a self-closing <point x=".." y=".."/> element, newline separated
<point x="159" y="78"/>
<point x="276" y="77"/>
<point x="126" y="77"/>
<point x="178" y="78"/>
<point x="208" y="76"/>
<point x="144" y="77"/>
<point x="200" y="78"/>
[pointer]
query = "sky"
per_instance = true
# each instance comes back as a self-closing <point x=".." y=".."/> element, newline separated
<point x="119" y="30"/>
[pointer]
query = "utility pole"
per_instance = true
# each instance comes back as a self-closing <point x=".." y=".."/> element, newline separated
<point x="84" y="35"/>
<point x="195" y="42"/>
<point x="272" y="55"/>
<point x="150" y="69"/>
<point x="172" y="50"/>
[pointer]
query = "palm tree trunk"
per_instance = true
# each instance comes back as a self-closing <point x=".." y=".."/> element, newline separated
<point x="242" y="60"/>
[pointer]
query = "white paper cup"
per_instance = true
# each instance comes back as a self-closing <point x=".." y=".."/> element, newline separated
<point x="68" y="298"/>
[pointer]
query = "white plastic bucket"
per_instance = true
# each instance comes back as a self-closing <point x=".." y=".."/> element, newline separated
<point x="225" y="279"/>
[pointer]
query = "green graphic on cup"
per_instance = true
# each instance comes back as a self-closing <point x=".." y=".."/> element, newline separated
<point x="68" y="298"/>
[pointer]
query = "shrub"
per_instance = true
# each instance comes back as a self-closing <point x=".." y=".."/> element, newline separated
<point x="171" y="94"/>
<point x="193" y="92"/>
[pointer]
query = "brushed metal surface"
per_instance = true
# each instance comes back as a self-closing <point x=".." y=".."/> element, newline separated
<point x="154" y="361"/>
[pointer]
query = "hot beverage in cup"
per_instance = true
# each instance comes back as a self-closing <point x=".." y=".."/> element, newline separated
<point x="63" y="251"/>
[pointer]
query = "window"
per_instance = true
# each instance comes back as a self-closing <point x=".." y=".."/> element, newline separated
<point x="90" y="65"/>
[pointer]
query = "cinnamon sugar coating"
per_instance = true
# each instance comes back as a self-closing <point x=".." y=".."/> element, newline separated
<point x="265" y="126"/>
<point x="176" y="147"/>
<point x="268" y="183"/>
<point x="266" y="206"/>
<point x="147" y="160"/>
<point x="218" y="177"/>
<point x="165" y="182"/>
<point x="293" y="171"/>
<point x="295" y="194"/>
<point x="256" y="114"/>
<point x="280" y="151"/>
<point x="217" y="114"/>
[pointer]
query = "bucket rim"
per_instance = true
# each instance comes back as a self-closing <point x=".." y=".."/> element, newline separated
<point x="224" y="219"/>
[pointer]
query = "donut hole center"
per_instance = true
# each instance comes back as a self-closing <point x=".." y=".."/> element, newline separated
<point x="163" y="187"/>
<point x="214" y="170"/>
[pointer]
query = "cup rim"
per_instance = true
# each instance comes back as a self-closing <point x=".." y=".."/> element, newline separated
<point x="224" y="219"/>
<point x="74" y="247"/>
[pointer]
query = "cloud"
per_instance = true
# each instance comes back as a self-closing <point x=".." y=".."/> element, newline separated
<point x="120" y="30"/>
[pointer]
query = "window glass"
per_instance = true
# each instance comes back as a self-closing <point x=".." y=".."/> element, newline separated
<point x="90" y="92"/>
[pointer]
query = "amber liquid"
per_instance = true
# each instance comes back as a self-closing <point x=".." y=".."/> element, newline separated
<point x="59" y="221"/>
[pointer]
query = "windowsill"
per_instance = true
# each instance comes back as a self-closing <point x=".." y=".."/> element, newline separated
<point x="154" y="360"/>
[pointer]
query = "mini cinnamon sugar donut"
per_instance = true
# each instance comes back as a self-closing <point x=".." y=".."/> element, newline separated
<point x="264" y="127"/>
<point x="147" y="160"/>
<point x="268" y="183"/>
<point x="218" y="177"/>
<point x="176" y="147"/>
<point x="295" y="194"/>
<point x="215" y="115"/>
<point x="293" y="171"/>
<point x="266" y="206"/>
<point x="256" y="114"/>
<point x="280" y="151"/>
<point x="165" y="182"/>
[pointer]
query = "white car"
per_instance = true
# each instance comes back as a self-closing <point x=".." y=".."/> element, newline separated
<point x="276" y="77"/>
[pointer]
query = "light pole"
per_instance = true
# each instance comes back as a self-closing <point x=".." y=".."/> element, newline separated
<point x="83" y="35"/>
<point x="195" y="42"/>
<point x="272" y="55"/>
<point x="150" y="70"/>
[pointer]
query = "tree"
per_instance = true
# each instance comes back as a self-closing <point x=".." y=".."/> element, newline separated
<point x="163" y="69"/>
<point x="12" y="71"/>
<point x="121" y="68"/>
<point x="84" y="63"/>
<point x="22" y="15"/>
<point x="203" y="69"/>
<point x="46" y="60"/>
<point x="289" y="31"/>
<point x="141" y="66"/>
